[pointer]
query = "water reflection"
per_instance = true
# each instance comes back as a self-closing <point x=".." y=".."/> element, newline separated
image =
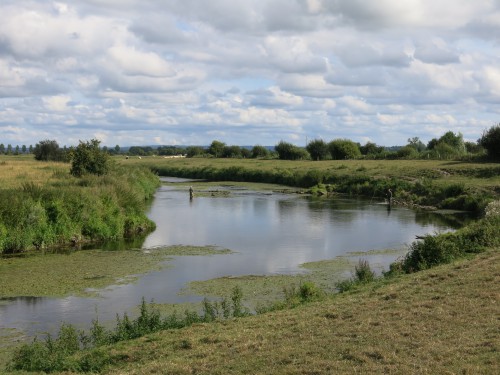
<point x="270" y="233"/>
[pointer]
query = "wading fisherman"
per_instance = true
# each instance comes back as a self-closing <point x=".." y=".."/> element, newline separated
<point x="191" y="192"/>
<point x="389" y="196"/>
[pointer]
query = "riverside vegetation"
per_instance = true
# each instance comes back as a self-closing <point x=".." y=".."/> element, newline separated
<point x="43" y="206"/>
<point x="350" y="327"/>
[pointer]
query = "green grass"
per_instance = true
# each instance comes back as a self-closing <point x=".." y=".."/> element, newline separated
<point x="443" y="320"/>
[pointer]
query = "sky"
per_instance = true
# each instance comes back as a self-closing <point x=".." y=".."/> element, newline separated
<point x="247" y="72"/>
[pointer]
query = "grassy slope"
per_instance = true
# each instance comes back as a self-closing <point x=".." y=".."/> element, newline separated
<point x="444" y="320"/>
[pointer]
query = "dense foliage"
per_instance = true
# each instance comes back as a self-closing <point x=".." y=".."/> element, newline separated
<point x="69" y="210"/>
<point x="48" y="150"/>
<point x="88" y="158"/>
<point x="491" y="142"/>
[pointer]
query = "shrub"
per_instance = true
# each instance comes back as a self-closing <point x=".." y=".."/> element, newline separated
<point x="87" y="158"/>
<point x="288" y="151"/>
<point x="318" y="149"/>
<point x="48" y="150"/>
<point x="341" y="149"/>
<point x="490" y="140"/>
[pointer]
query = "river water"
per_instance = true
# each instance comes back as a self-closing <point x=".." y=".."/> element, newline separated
<point x="269" y="232"/>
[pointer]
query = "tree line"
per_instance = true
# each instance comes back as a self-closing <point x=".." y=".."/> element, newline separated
<point x="448" y="146"/>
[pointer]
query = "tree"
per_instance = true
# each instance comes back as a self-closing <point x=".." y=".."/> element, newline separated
<point x="2" y="148"/>
<point x="9" y="149"/>
<point x="371" y="148"/>
<point x="490" y="140"/>
<point x="87" y="158"/>
<point x="231" y="152"/>
<point x="454" y="140"/>
<point x="288" y="151"/>
<point x="48" y="150"/>
<point x="193" y="151"/>
<point x="259" y="152"/>
<point x="117" y="149"/>
<point x="318" y="149"/>
<point x="407" y="152"/>
<point x="216" y="149"/>
<point x="416" y="143"/>
<point x="341" y="149"/>
<point x="23" y="149"/>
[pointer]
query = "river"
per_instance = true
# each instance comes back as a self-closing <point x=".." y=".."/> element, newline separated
<point x="269" y="232"/>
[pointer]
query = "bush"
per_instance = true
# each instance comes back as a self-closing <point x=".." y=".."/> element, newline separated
<point x="87" y="158"/>
<point x="288" y="151"/>
<point x="341" y="149"/>
<point x="48" y="150"/>
<point x="490" y="140"/>
<point x="318" y="150"/>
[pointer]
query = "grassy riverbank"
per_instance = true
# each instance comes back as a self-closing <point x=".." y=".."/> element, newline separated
<point x="43" y="206"/>
<point x="437" y="321"/>
<point x="442" y="320"/>
<point x="443" y="184"/>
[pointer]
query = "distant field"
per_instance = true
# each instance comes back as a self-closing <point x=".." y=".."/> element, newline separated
<point x="480" y="175"/>
<point x="16" y="170"/>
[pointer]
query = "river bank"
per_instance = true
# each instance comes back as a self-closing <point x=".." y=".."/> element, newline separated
<point x="43" y="207"/>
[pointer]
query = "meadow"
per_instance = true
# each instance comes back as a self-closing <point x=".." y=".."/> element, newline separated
<point x="440" y="319"/>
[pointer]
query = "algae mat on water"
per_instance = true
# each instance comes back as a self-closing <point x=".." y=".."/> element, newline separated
<point x="79" y="271"/>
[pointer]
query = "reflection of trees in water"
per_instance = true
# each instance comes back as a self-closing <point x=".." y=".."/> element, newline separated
<point x="454" y="221"/>
<point x="26" y="300"/>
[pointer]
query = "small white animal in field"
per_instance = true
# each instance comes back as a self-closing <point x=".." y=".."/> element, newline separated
<point x="140" y="157"/>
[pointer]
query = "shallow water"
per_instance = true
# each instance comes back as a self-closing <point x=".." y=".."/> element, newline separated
<point x="271" y="233"/>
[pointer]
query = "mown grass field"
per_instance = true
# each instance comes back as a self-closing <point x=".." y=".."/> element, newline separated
<point x="440" y="321"/>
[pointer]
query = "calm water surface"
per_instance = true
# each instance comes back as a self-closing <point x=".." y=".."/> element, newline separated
<point x="270" y="233"/>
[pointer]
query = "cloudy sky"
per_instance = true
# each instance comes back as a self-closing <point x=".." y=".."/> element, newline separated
<point x="246" y="72"/>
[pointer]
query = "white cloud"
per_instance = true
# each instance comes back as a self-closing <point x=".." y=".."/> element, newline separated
<point x="249" y="71"/>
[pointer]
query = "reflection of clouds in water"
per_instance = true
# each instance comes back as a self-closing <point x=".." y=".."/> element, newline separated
<point x="270" y="233"/>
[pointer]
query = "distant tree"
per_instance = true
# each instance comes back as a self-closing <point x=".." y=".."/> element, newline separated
<point x="9" y="149"/>
<point x="456" y="141"/>
<point x="117" y="149"/>
<point x="341" y="149"/>
<point x="432" y="143"/>
<point x="139" y="151"/>
<point x="259" y="152"/>
<point x="288" y="151"/>
<point x="216" y="149"/>
<point x="17" y="150"/>
<point x="193" y="151"/>
<point x="371" y="148"/>
<point x="318" y="149"/>
<point x="88" y="158"/>
<point x="231" y="152"/>
<point x="31" y="149"/>
<point x="416" y="143"/>
<point x="473" y="148"/>
<point x="2" y="148"/>
<point x="407" y="152"/>
<point x="23" y="149"/>
<point x="490" y="140"/>
<point x="246" y="153"/>
<point x="48" y="150"/>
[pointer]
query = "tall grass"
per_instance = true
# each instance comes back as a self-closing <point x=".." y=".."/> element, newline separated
<point x="433" y="250"/>
<point x="67" y="210"/>
<point x="58" y="354"/>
